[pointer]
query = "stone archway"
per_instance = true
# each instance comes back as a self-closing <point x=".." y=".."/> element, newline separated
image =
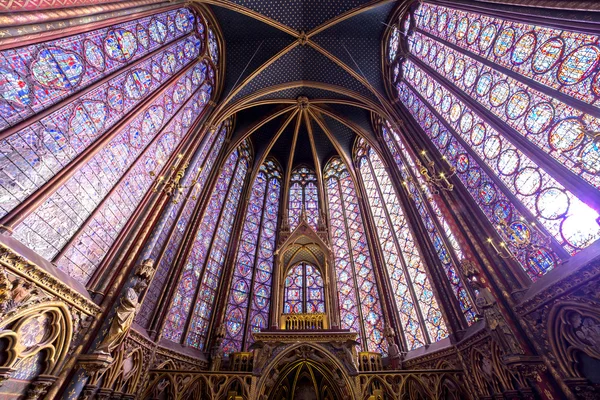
<point x="305" y="370"/>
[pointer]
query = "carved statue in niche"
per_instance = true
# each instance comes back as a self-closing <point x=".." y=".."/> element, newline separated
<point x="394" y="353"/>
<point x="216" y="352"/>
<point x="496" y="324"/>
<point x="127" y="309"/>
<point x="587" y="330"/>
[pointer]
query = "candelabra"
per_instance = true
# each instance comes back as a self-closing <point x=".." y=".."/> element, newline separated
<point x="436" y="180"/>
<point x="171" y="184"/>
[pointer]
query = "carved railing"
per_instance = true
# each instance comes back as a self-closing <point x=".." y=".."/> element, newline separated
<point x="307" y="322"/>
<point x="242" y="361"/>
<point x="369" y="361"/>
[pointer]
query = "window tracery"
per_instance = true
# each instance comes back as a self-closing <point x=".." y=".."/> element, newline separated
<point x="479" y="85"/>
<point x="304" y="196"/>
<point x="250" y="293"/>
<point x="303" y="291"/>
<point x="358" y="292"/>
<point x="420" y="314"/>
<point x="203" y="267"/>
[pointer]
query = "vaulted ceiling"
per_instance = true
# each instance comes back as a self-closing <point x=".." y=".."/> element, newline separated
<point x="302" y="77"/>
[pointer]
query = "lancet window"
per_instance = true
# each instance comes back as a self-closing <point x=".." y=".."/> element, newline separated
<point x="303" y="291"/>
<point x="511" y="106"/>
<point x="304" y="197"/>
<point x="250" y="293"/>
<point x="357" y="288"/>
<point x="420" y="314"/>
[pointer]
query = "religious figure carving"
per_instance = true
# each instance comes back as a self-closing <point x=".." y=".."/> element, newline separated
<point x="495" y="323"/>
<point x="123" y="319"/>
<point x="394" y="354"/>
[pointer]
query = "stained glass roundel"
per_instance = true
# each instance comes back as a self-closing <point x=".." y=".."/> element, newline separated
<point x="58" y="68"/>
<point x="578" y="65"/>
<point x="120" y="44"/>
<point x="158" y="30"/>
<point x="504" y="42"/>
<point x="93" y="55"/>
<point x="137" y="83"/>
<point x="547" y="55"/>
<point x="567" y="134"/>
<point x="539" y="117"/>
<point x="524" y="48"/>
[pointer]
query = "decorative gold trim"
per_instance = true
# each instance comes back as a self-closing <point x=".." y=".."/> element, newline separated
<point x="25" y="268"/>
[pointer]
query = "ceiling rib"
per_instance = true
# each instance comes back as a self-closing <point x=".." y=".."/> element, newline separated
<point x="348" y="14"/>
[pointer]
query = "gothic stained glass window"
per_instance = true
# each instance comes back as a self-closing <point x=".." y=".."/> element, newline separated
<point x="303" y="290"/>
<point x="420" y="314"/>
<point x="358" y="294"/>
<point x="203" y="267"/>
<point x="417" y="192"/>
<point x="174" y="221"/>
<point x="480" y="84"/>
<point x="89" y="90"/>
<point x="304" y="196"/>
<point x="250" y="293"/>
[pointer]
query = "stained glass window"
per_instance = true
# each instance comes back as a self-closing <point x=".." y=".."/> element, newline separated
<point x="420" y="314"/>
<point x="303" y="290"/>
<point x="249" y="298"/>
<point x="174" y="222"/>
<point x="304" y="197"/>
<point x="107" y="108"/>
<point x="481" y="84"/>
<point x="418" y="191"/>
<point x="204" y="264"/>
<point x="358" y="294"/>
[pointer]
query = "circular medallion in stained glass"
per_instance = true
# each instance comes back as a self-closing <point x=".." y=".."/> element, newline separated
<point x="418" y="76"/>
<point x="578" y="65"/>
<point x="473" y="32"/>
<point x="152" y="120"/>
<point x="471" y="75"/>
<point x="459" y="69"/>
<point x="509" y="162"/>
<point x="540" y="261"/>
<point x="169" y="63"/>
<point x="393" y="44"/>
<point x="596" y="84"/>
<point x="528" y="181"/>
<point x="446" y="103"/>
<point x="487" y="37"/>
<point x="443" y="139"/>
<point x="580" y="232"/>
<point x="461" y="29"/>
<point x="120" y="44"/>
<point x="452" y="24"/>
<point x="442" y="22"/>
<point x="435" y="129"/>
<point x="433" y="21"/>
<point x="179" y="93"/>
<point x="168" y="103"/>
<point x="57" y="68"/>
<point x="137" y="83"/>
<point x="547" y="55"/>
<point x="433" y="52"/>
<point x="466" y="122"/>
<point x="136" y="140"/>
<point x="14" y="89"/>
<point x="142" y="36"/>
<point x="93" y="55"/>
<point x="234" y="322"/>
<point x="590" y="157"/>
<point x="484" y="83"/>
<point x="487" y="193"/>
<point x="492" y="147"/>
<point x="504" y="42"/>
<point x="115" y="98"/>
<point x="186" y="118"/>
<point x="449" y="63"/>
<point x="440" y="59"/>
<point x="184" y="20"/>
<point x="462" y="163"/>
<point x="499" y="93"/>
<point x="158" y="30"/>
<point x="396" y="72"/>
<point x="437" y="96"/>
<point x="455" y="111"/>
<point x="552" y="203"/>
<point x="517" y="104"/>
<point x="524" y="48"/>
<point x="502" y="211"/>
<point x="566" y="134"/>
<point x="539" y="117"/>
<point x="478" y="134"/>
<point x="520" y="233"/>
